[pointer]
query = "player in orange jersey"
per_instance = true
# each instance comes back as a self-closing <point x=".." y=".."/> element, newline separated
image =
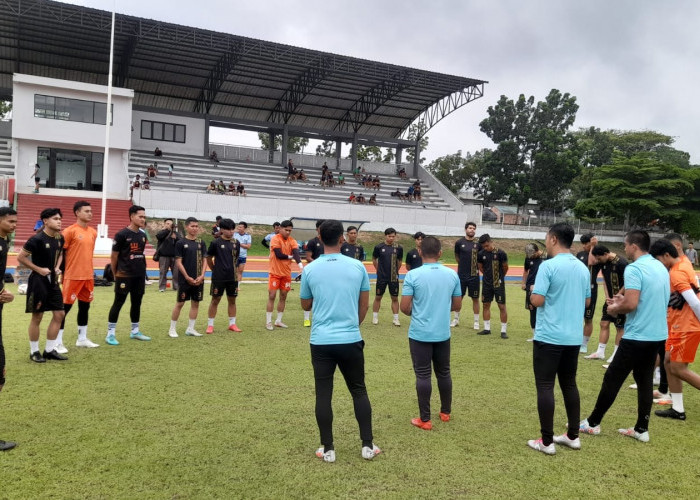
<point x="78" y="277"/>
<point x="283" y="249"/>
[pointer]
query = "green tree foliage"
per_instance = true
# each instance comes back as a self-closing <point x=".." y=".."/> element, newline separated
<point x="368" y="153"/>
<point x="456" y="171"/>
<point x="416" y="132"/>
<point x="294" y="144"/>
<point x="5" y="108"/>
<point x="326" y="148"/>
<point x="689" y="222"/>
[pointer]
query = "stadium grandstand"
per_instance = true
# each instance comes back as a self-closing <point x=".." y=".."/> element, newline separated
<point x="171" y="83"/>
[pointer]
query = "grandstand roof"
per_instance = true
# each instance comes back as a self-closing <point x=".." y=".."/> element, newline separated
<point x="230" y="78"/>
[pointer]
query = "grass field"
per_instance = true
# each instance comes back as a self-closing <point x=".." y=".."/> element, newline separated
<point x="232" y="416"/>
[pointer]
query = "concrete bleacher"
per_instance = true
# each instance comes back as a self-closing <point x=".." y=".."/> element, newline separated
<point x="6" y="166"/>
<point x="194" y="173"/>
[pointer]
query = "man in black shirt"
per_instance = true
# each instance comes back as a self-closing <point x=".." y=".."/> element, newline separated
<point x="589" y="241"/>
<point x="613" y="267"/>
<point x="191" y="253"/>
<point x="493" y="265"/>
<point x="129" y="268"/>
<point x="167" y="237"/>
<point x="8" y="223"/>
<point x="43" y="254"/>
<point x="533" y="259"/>
<point x="467" y="256"/>
<point x="314" y="249"/>
<point x="350" y="248"/>
<point x="386" y="259"/>
<point x="413" y="258"/>
<point x="222" y="256"/>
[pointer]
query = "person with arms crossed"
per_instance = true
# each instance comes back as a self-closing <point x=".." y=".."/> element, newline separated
<point x="561" y="292"/>
<point x="413" y="257"/>
<point x="79" y="274"/>
<point x="336" y="288"/>
<point x="167" y="238"/>
<point x="692" y="254"/>
<point x="586" y="257"/>
<point x="222" y="256"/>
<point x="245" y="241"/>
<point x="350" y="248"/>
<point x="429" y="293"/>
<point x="467" y="256"/>
<point x="493" y="266"/>
<point x="43" y="254"/>
<point x="283" y="249"/>
<point x="533" y="259"/>
<point x="8" y="223"/>
<point x="314" y="249"/>
<point x="386" y="259"/>
<point x="129" y="268"/>
<point x="644" y="301"/>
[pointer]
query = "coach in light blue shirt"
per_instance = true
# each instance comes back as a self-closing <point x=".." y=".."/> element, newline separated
<point x="336" y="289"/>
<point x="561" y="293"/>
<point x="430" y="292"/>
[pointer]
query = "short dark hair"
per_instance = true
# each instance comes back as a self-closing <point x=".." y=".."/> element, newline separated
<point x="663" y="246"/>
<point x="565" y="234"/>
<point x="639" y="238"/>
<point x="218" y="217"/>
<point x="600" y="250"/>
<point x="275" y="224"/>
<point x="5" y="211"/>
<point x="330" y="231"/>
<point x="190" y="220"/>
<point x="350" y="228"/>
<point x="80" y="204"/>
<point x="226" y="224"/>
<point x="470" y="224"/>
<point x="586" y="238"/>
<point x="430" y="247"/>
<point x="484" y="238"/>
<point x="419" y="234"/>
<point x="674" y="237"/>
<point x="135" y="208"/>
<point x="286" y="223"/>
<point x="168" y="219"/>
<point x="389" y="230"/>
<point x="47" y="213"/>
<point x="244" y="224"/>
<point x="319" y="222"/>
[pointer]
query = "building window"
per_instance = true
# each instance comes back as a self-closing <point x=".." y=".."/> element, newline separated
<point x="70" y="169"/>
<point x="160" y="131"/>
<point x="73" y="110"/>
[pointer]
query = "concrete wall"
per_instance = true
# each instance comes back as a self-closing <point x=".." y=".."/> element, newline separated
<point x="194" y="134"/>
<point x="5" y="128"/>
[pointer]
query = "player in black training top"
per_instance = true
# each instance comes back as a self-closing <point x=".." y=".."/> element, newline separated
<point x="613" y="267"/>
<point x="589" y="241"/>
<point x="467" y="256"/>
<point x="222" y="256"/>
<point x="350" y="248"/>
<point x="190" y="258"/>
<point x="8" y="223"/>
<point x="413" y="258"/>
<point x="129" y="268"/>
<point x="386" y="259"/>
<point x="493" y="265"/>
<point x="533" y="259"/>
<point x="43" y="254"/>
<point x="314" y="249"/>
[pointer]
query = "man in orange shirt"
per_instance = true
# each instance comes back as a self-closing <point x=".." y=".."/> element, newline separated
<point x="78" y="277"/>
<point x="283" y="248"/>
<point x="683" y="325"/>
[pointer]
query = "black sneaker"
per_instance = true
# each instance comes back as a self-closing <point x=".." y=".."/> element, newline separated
<point x="55" y="356"/>
<point x="504" y="335"/>
<point x="7" y="445"/>
<point x="37" y="357"/>
<point x="670" y="413"/>
<point x="484" y="332"/>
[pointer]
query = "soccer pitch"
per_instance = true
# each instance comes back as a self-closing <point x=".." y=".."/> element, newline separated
<point x="231" y="415"/>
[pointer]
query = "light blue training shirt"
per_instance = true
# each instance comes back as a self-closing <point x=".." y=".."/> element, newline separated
<point x="432" y="287"/>
<point x="334" y="281"/>
<point x="245" y="239"/>
<point x="564" y="282"/>
<point x="648" y="321"/>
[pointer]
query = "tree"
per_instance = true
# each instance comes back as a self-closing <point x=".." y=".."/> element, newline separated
<point x="456" y="171"/>
<point x="416" y="132"/>
<point x="294" y="144"/>
<point x="326" y="148"/>
<point x="389" y="156"/>
<point x="5" y="108"/>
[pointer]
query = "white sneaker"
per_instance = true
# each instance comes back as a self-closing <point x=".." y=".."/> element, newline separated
<point x="375" y="321"/>
<point x="191" y="332"/>
<point x="574" y="444"/>
<point x="396" y="322"/>
<point x="328" y="456"/>
<point x="173" y="334"/>
<point x="595" y="355"/>
<point x="538" y="445"/>
<point x="61" y="349"/>
<point x="149" y="282"/>
<point x="476" y="325"/>
<point x="269" y="326"/>
<point x="454" y="323"/>
<point x="85" y="343"/>
<point x="583" y="349"/>
<point x="587" y="429"/>
<point x="633" y="386"/>
<point x="643" y="436"/>
<point x="279" y="324"/>
<point x="531" y="339"/>
<point x="369" y="453"/>
<point x="609" y="360"/>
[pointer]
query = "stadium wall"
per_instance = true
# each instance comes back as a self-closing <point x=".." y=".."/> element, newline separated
<point x="194" y="133"/>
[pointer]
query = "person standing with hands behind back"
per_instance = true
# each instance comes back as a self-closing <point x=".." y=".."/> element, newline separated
<point x="167" y="238"/>
<point x="8" y="223"/>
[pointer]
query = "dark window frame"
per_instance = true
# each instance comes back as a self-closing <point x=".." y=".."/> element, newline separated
<point x="54" y="114"/>
<point x="151" y="125"/>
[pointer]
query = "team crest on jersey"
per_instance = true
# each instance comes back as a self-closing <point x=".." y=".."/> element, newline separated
<point x="183" y="295"/>
<point x="223" y="246"/>
<point x="73" y="297"/>
<point x="122" y="285"/>
<point x="184" y="246"/>
<point x="463" y="245"/>
<point x="216" y="291"/>
<point x="383" y="249"/>
<point x="48" y="246"/>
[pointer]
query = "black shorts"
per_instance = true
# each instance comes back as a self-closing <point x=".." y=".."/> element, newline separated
<point x="186" y="292"/>
<point x="42" y="295"/>
<point x="219" y="287"/>
<point x="470" y="285"/>
<point x="135" y="285"/>
<point x="393" y="288"/>
<point x="489" y="292"/>
<point x="618" y="321"/>
<point x="588" y="313"/>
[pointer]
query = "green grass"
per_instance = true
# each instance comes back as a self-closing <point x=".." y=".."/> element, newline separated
<point x="232" y="416"/>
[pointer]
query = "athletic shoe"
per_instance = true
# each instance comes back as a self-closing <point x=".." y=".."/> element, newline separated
<point x="111" y="340"/>
<point x="445" y="417"/>
<point x="583" y="349"/>
<point x="279" y="324"/>
<point x="476" y="325"/>
<point x="307" y="322"/>
<point x="454" y="323"/>
<point x="605" y="366"/>
<point x="609" y="360"/>
<point x="504" y="335"/>
<point x="659" y="394"/>
<point x="587" y="429"/>
<point x="574" y="444"/>
<point x="538" y="445"/>
<point x="595" y="355"/>
<point x="639" y="436"/>
<point x="210" y="329"/>
<point x="484" y="332"/>
<point x="173" y="334"/>
<point x="54" y="356"/>
<point x="633" y="386"/>
<point x="269" y="326"/>
<point x="670" y="413"/>
<point x="85" y="343"/>
<point x="61" y="349"/>
<point x="161" y="291"/>
<point x="327" y="456"/>
<point x="375" y="321"/>
<point x="139" y="336"/>
<point x="396" y="322"/>
<point x="665" y="399"/>
<point x="234" y="328"/>
<point x="7" y="445"/>
<point x="37" y="357"/>
<point x="149" y="282"/>
<point x="191" y="332"/>
<point x="426" y="426"/>
<point x="531" y="339"/>
<point x="369" y="453"/>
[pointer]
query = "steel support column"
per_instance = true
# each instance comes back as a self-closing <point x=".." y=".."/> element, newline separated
<point x="338" y="147"/>
<point x="271" y="157"/>
<point x="399" y="154"/>
<point x="354" y="152"/>
<point x="206" y="136"/>
<point x="285" y="138"/>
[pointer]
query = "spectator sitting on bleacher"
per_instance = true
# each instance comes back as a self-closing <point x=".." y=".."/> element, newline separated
<point x="398" y="194"/>
<point x="232" y="188"/>
<point x="373" y="199"/>
<point x="376" y="183"/>
<point x="221" y="187"/>
<point x="356" y="173"/>
<point x="214" y="157"/>
<point x="301" y="175"/>
<point x="146" y="184"/>
<point x="329" y="179"/>
<point x="135" y="184"/>
<point x="352" y="198"/>
<point x="290" y="165"/>
<point x="151" y="171"/>
<point x="211" y="188"/>
<point x="367" y="181"/>
<point x="417" y="193"/>
<point x="409" y="193"/>
<point x="361" y="199"/>
<point x="292" y="175"/>
<point x="341" y="179"/>
<point x="402" y="173"/>
<point x="157" y="152"/>
<point x="240" y="189"/>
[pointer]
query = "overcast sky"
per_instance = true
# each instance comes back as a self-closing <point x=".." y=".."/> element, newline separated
<point x="632" y="64"/>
